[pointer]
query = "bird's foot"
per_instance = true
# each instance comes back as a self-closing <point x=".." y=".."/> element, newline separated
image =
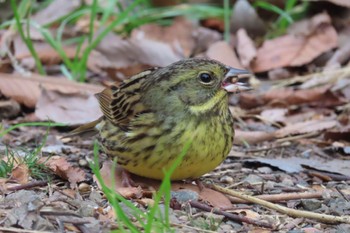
<point x="200" y="185"/>
<point x="127" y="181"/>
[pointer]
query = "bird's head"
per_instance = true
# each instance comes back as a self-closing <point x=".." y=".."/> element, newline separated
<point x="199" y="84"/>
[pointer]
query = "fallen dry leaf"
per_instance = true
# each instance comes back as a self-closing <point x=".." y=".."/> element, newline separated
<point x="244" y="15"/>
<point x="294" y="164"/>
<point x="252" y="137"/>
<point x="245" y="48"/>
<point x="296" y="50"/>
<point x="55" y="11"/>
<point x="20" y="173"/>
<point x="75" y="108"/>
<point x="288" y="96"/>
<point x="275" y="114"/>
<point x="26" y="90"/>
<point x="210" y="196"/>
<point x="117" y="53"/>
<point x="61" y="167"/>
<point x="204" y="37"/>
<point x="338" y="135"/>
<point x="213" y="197"/>
<point x="179" y="35"/>
<point x="344" y="3"/>
<point x="223" y="52"/>
<point x="46" y="53"/>
<point x="106" y="172"/>
<point x="305" y="127"/>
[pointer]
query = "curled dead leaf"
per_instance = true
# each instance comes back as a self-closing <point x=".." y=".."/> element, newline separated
<point x="77" y="108"/>
<point x="26" y="90"/>
<point x="223" y="52"/>
<point x="305" y="127"/>
<point x="296" y="50"/>
<point x="61" y="167"/>
<point x="20" y="173"/>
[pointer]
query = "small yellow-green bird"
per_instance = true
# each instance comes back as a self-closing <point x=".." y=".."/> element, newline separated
<point x="149" y="118"/>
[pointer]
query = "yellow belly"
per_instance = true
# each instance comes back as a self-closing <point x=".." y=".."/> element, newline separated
<point x="150" y="156"/>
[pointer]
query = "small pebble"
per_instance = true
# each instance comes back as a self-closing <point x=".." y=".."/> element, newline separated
<point x="253" y="179"/>
<point x="265" y="170"/>
<point x="226" y="179"/>
<point x="84" y="187"/>
<point x="288" y="182"/>
<point x="183" y="196"/>
<point x="83" y="163"/>
<point x="311" y="204"/>
<point x="183" y="218"/>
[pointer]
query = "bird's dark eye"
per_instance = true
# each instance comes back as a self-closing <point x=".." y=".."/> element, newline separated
<point x="205" y="78"/>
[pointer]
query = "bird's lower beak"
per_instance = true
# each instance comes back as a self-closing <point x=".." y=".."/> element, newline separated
<point x="231" y="84"/>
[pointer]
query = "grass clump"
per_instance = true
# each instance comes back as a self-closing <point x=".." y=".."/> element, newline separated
<point x="155" y="220"/>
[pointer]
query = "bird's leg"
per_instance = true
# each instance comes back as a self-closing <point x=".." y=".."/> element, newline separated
<point x="200" y="185"/>
<point x="126" y="179"/>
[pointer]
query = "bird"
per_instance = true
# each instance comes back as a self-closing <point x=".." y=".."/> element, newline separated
<point x="148" y="119"/>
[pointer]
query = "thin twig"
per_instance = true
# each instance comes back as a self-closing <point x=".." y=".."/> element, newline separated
<point x="280" y="197"/>
<point x="288" y="211"/>
<point x="230" y="216"/>
<point x="19" y="230"/>
<point x="297" y="137"/>
<point x="343" y="195"/>
<point x="28" y="185"/>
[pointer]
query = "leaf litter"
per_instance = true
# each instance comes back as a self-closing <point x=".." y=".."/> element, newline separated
<point x="292" y="137"/>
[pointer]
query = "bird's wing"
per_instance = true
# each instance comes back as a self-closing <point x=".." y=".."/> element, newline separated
<point x="120" y="104"/>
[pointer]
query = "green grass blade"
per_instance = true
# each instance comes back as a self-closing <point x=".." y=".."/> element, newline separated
<point x="227" y="20"/>
<point x="275" y="9"/>
<point x="26" y="39"/>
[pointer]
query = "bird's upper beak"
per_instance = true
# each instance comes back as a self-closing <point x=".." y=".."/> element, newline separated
<point x="231" y="84"/>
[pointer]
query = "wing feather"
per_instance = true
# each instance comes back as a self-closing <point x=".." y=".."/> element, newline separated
<point x="121" y="104"/>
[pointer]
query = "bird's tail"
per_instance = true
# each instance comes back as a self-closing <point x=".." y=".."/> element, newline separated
<point x="86" y="130"/>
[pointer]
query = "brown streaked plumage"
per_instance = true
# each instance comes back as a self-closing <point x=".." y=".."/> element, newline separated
<point x="151" y="116"/>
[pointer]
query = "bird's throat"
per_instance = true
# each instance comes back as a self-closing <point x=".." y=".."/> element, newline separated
<point x="217" y="101"/>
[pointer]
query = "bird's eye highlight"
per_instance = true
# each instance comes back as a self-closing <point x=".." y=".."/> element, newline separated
<point x="205" y="78"/>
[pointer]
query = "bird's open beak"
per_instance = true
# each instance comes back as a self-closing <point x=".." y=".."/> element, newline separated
<point x="231" y="84"/>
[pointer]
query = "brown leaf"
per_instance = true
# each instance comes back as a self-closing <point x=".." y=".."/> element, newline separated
<point x="252" y="137"/>
<point x="338" y="2"/>
<point x="47" y="55"/>
<point x="245" y="48"/>
<point x="115" y="52"/>
<point x="127" y="192"/>
<point x="244" y="15"/>
<point x="213" y="197"/>
<point x="296" y="50"/>
<point x="275" y="114"/>
<point x="210" y="196"/>
<point x="55" y="10"/>
<point x="20" y="173"/>
<point x="222" y="52"/>
<point x="26" y="90"/>
<point x="70" y="108"/>
<point x="338" y="135"/>
<point x="61" y="167"/>
<point x="290" y="96"/>
<point x="305" y="127"/>
<point x="179" y="35"/>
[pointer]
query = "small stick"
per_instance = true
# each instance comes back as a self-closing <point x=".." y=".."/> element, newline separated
<point x="341" y="193"/>
<point x="280" y="197"/>
<point x="288" y="211"/>
<point x="230" y="216"/>
<point x="28" y="185"/>
<point x="19" y="230"/>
